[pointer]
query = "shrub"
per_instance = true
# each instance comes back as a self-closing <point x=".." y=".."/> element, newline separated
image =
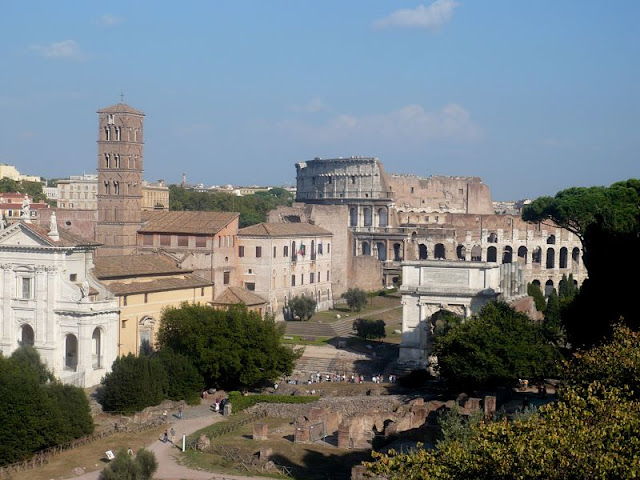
<point x="369" y="329"/>
<point x="302" y="307"/>
<point x="356" y="299"/>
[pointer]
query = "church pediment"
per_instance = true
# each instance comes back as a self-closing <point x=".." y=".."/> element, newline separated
<point x="20" y="235"/>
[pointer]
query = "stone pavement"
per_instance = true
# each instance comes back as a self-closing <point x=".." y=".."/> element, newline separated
<point x="194" y="418"/>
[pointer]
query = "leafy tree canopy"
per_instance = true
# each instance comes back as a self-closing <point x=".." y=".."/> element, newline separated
<point x="495" y="347"/>
<point x="607" y="220"/>
<point x="369" y="329"/>
<point x="302" y="307"/>
<point x="232" y="348"/>
<point x="126" y="467"/>
<point x="356" y="299"/>
<point x="252" y="208"/>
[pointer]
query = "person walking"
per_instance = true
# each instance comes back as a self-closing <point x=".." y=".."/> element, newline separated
<point x="180" y="413"/>
<point x="165" y="437"/>
<point x="172" y="432"/>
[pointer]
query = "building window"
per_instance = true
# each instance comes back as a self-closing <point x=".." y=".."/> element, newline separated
<point x="201" y="241"/>
<point x="27" y="290"/>
<point x="107" y="160"/>
<point x="107" y="134"/>
<point x="241" y="251"/>
<point x="124" y="323"/>
<point x="302" y="279"/>
<point x="258" y="252"/>
<point x="225" y="277"/>
<point x="319" y="249"/>
<point x="165" y="240"/>
<point x="327" y="275"/>
<point x="250" y="286"/>
<point x="73" y="277"/>
<point x="311" y="277"/>
<point x="183" y="241"/>
<point x="411" y="189"/>
<point x="293" y="280"/>
<point x="328" y="248"/>
<point x="274" y="252"/>
<point x="146" y="298"/>
<point x="118" y="134"/>
<point x="147" y="239"/>
<point x="285" y="251"/>
<point x="124" y="301"/>
<point x="202" y="292"/>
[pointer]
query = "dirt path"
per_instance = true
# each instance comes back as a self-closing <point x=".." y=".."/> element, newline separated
<point x="167" y="454"/>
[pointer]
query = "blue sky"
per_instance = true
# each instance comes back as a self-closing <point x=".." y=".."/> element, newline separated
<point x="533" y="97"/>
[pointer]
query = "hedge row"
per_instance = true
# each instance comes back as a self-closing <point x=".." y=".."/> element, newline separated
<point x="240" y="402"/>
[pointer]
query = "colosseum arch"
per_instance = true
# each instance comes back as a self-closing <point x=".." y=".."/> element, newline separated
<point x="536" y="255"/>
<point x="476" y="253"/>
<point x="492" y="254"/>
<point x="564" y="254"/>
<point x="461" y="252"/>
<point x="522" y="253"/>
<point x="548" y="288"/>
<point x="439" y="252"/>
<point x="575" y="256"/>
<point x="507" y="254"/>
<point x="551" y="258"/>
<point x="383" y="219"/>
<point x="423" y="253"/>
<point x="382" y="251"/>
<point x="353" y="217"/>
<point x="366" y="248"/>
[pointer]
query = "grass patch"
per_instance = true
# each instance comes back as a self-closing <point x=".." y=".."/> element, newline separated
<point x="304" y="340"/>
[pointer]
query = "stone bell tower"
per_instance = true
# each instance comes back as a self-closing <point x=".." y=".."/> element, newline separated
<point x="120" y="168"/>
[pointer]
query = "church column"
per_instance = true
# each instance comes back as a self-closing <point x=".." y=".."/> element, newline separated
<point x="40" y="286"/>
<point x="7" y="286"/>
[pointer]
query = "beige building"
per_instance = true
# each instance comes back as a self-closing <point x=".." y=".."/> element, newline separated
<point x="279" y="261"/>
<point x="240" y="296"/>
<point x="155" y="196"/>
<point x="12" y="172"/>
<point x="18" y="206"/>
<point x="78" y="192"/>
<point x="200" y="241"/>
<point x="144" y="285"/>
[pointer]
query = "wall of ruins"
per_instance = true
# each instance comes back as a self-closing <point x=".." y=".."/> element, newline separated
<point x="365" y="273"/>
<point x="440" y="194"/>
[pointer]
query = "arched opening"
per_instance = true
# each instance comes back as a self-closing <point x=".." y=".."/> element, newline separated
<point x="548" y="288"/>
<point x="536" y="256"/>
<point x="551" y="240"/>
<point x="438" y="252"/>
<point x="70" y="352"/>
<point x="492" y="254"/>
<point x="367" y="217"/>
<point x="551" y="258"/>
<point x="575" y="256"/>
<point x="564" y="255"/>
<point x="96" y="348"/>
<point x="366" y="248"/>
<point x="382" y="251"/>
<point x="422" y="252"/>
<point x="522" y="253"/>
<point x="476" y="253"/>
<point x="382" y="217"/>
<point x="536" y="283"/>
<point x="353" y="217"/>
<point x="492" y="238"/>
<point x="461" y="252"/>
<point x="397" y="252"/>
<point x="145" y="334"/>
<point x="26" y="336"/>
<point x="507" y="254"/>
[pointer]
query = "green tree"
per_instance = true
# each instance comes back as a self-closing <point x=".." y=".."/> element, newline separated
<point x="302" y="307"/>
<point x="567" y="287"/>
<point x="232" y="348"/>
<point x="606" y="219"/>
<point x="356" y="299"/>
<point x="495" y="347"/>
<point x="552" y="323"/>
<point x="184" y="379"/>
<point x="538" y="297"/>
<point x="126" y="467"/>
<point x="133" y="384"/>
<point x="369" y="329"/>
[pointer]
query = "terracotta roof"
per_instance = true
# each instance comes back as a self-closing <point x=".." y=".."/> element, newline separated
<point x="121" y="266"/>
<point x="66" y="239"/>
<point x="235" y="295"/>
<point x="174" y="282"/>
<point x="204" y="223"/>
<point x="282" y="230"/>
<point x="120" y="108"/>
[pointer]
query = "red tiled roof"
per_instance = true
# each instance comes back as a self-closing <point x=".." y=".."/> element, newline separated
<point x="120" y="108"/>
<point x="203" y="223"/>
<point x="236" y="295"/>
<point x="283" y="230"/>
<point x="123" y="266"/>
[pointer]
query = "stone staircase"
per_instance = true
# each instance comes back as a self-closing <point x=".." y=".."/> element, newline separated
<point x="339" y="328"/>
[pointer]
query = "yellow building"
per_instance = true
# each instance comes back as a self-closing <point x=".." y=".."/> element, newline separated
<point x="144" y="285"/>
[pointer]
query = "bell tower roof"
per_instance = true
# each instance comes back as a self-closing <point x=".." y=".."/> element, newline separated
<point x="121" y="108"/>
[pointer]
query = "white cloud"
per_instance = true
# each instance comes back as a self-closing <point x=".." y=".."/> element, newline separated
<point x="410" y="124"/>
<point x="108" y="20"/>
<point x="430" y="17"/>
<point x="66" y="50"/>
<point x="314" y="105"/>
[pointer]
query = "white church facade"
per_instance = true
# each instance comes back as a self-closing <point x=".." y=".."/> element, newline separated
<point x="50" y="301"/>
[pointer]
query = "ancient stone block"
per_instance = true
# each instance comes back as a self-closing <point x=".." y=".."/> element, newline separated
<point x="473" y="404"/>
<point x="260" y="431"/>
<point x="489" y="406"/>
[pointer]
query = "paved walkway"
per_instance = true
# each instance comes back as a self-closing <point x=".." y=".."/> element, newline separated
<point x="194" y="418"/>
